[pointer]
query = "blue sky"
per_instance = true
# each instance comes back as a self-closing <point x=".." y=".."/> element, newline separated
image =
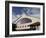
<point x="16" y="10"/>
<point x="25" y="10"/>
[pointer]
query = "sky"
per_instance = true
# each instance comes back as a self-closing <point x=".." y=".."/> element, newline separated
<point x="26" y="10"/>
<point x="18" y="11"/>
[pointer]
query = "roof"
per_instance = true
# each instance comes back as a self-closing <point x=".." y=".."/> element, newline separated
<point x="24" y="20"/>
